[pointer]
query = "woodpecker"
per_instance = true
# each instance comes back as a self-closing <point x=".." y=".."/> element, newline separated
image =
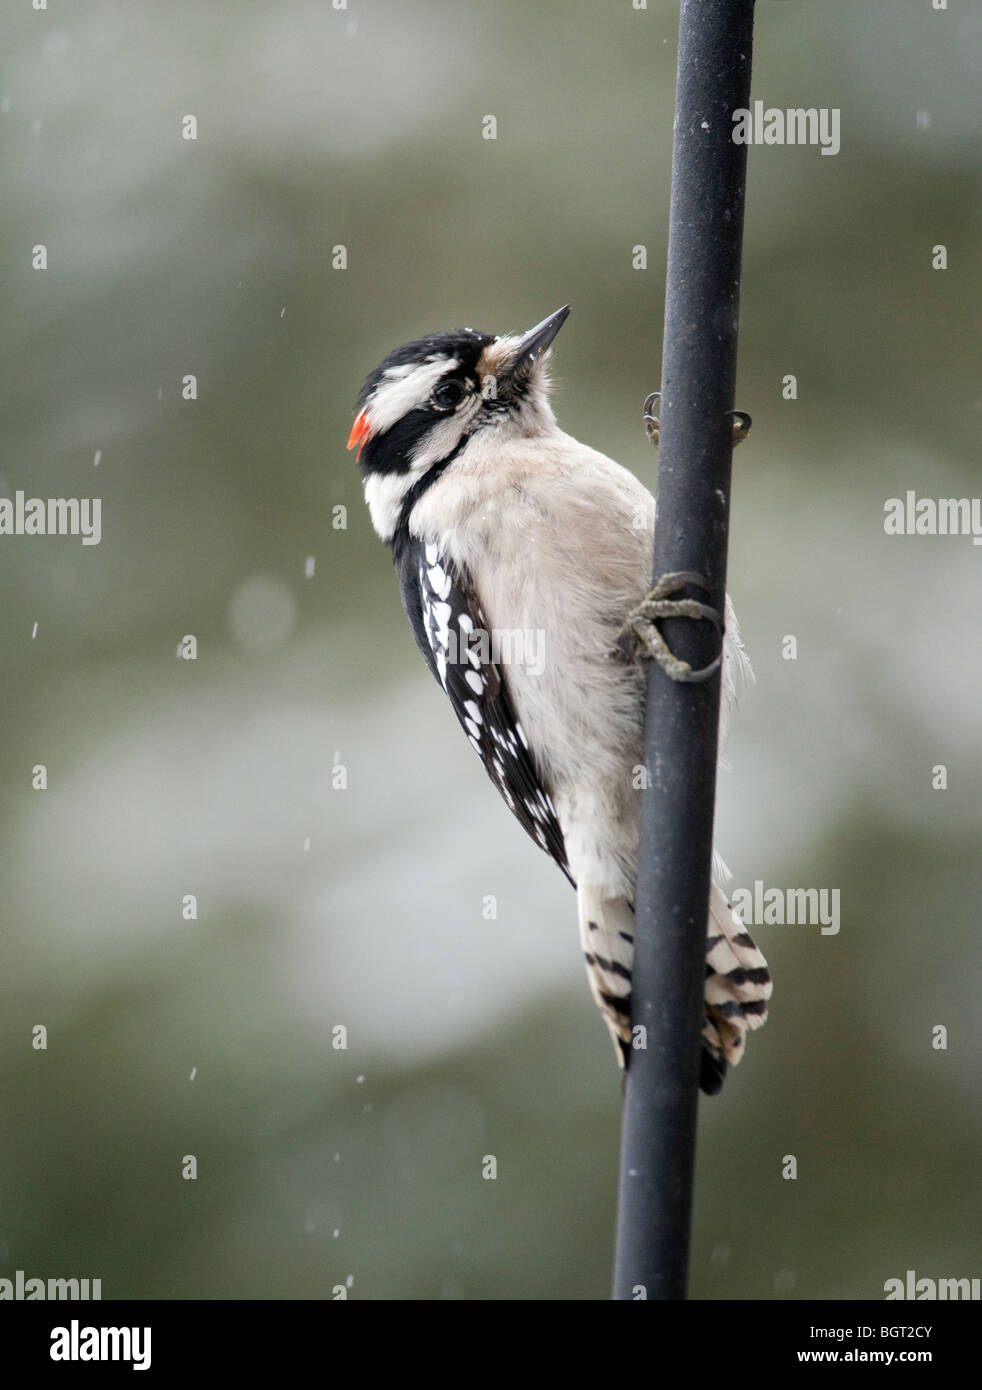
<point x="507" y="532"/>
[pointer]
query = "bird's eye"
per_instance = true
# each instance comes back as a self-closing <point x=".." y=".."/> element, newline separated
<point x="448" y="394"/>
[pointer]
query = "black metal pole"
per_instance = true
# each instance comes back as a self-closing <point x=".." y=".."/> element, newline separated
<point x="672" y="904"/>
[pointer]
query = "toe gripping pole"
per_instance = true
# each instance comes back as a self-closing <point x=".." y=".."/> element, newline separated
<point x="696" y="429"/>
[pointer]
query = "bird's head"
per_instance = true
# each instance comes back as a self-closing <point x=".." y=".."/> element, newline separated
<point x="423" y="404"/>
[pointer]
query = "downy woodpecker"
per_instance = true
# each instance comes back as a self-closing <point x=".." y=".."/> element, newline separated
<point x="506" y="532"/>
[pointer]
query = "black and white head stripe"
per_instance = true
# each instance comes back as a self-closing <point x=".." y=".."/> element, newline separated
<point x="417" y="410"/>
<point x="462" y="346"/>
<point x="447" y="619"/>
<point x="401" y="400"/>
<point x="426" y="400"/>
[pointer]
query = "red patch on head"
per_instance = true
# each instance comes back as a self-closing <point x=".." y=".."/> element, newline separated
<point x="360" y="431"/>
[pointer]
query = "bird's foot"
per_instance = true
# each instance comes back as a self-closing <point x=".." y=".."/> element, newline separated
<point x="651" y="421"/>
<point x="741" y="421"/>
<point x="741" y="425"/>
<point x="641" y="633"/>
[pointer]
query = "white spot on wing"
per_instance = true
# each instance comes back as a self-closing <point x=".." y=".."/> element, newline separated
<point x="440" y="581"/>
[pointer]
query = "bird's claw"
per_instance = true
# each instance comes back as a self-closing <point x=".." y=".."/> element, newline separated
<point x="741" y="425"/>
<point x="640" y="631"/>
<point x="651" y="421"/>
<point x="741" y="421"/>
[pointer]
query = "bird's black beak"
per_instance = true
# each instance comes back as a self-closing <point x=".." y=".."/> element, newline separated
<point x="538" y="339"/>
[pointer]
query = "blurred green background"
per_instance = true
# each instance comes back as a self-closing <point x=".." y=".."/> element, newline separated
<point x="361" y="906"/>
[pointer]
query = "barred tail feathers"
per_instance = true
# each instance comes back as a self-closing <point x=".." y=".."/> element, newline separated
<point x="738" y="982"/>
<point x="607" y="938"/>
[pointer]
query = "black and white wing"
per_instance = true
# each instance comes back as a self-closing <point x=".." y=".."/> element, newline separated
<point x="453" y="634"/>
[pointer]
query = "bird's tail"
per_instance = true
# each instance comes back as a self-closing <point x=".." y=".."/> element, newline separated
<point x="738" y="986"/>
<point x="738" y="982"/>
